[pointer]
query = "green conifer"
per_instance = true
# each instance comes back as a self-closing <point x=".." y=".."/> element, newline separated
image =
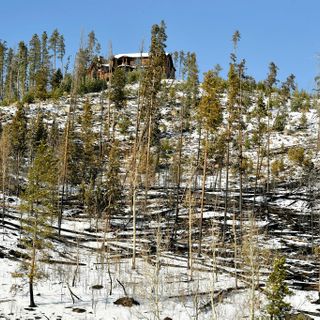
<point x="40" y="203"/>
<point x="277" y="290"/>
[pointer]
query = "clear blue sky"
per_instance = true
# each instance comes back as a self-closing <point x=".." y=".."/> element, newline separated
<point x="286" y="32"/>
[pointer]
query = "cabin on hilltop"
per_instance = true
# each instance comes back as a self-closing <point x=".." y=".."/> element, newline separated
<point x="102" y="68"/>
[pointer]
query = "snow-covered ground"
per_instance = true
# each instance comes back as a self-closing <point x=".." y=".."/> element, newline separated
<point x="162" y="283"/>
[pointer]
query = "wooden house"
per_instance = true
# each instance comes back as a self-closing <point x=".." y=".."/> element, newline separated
<point x="102" y="68"/>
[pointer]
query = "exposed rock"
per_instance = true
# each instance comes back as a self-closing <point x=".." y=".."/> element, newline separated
<point x="79" y="310"/>
<point x="97" y="287"/>
<point x="126" y="302"/>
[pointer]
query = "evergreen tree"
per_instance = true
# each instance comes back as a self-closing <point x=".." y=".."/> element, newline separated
<point x="85" y="55"/>
<point x="118" y="95"/>
<point x="38" y="134"/>
<point x="152" y="81"/>
<point x="22" y="69"/>
<point x="113" y="184"/>
<point x="3" y="50"/>
<point x="88" y="137"/>
<point x="56" y="79"/>
<point x="54" y="135"/>
<point x="191" y="87"/>
<point x="4" y="160"/>
<point x="45" y="57"/>
<point x="80" y="71"/>
<point x="11" y="76"/>
<point x="93" y="47"/>
<point x="34" y="60"/>
<point x="41" y="76"/>
<point x="61" y="50"/>
<point x="233" y="100"/>
<point x="55" y="44"/>
<point x="40" y="202"/>
<point x="269" y="84"/>
<point x="277" y="290"/>
<point x="210" y="112"/>
<point x="18" y="140"/>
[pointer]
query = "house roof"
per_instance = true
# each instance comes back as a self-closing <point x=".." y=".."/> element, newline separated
<point x="134" y="55"/>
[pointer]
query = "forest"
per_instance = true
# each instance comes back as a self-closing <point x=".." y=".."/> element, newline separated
<point x="142" y="197"/>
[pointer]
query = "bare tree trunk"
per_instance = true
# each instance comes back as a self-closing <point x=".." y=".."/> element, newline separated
<point x="178" y="182"/>
<point x="32" y="270"/>
<point x="190" y="231"/>
<point x="146" y="190"/>
<point x="31" y="295"/>
<point x="268" y="145"/>
<point x="134" y="181"/>
<point x="227" y="184"/>
<point x="203" y="189"/>
<point x="64" y="171"/>
<point x="4" y="164"/>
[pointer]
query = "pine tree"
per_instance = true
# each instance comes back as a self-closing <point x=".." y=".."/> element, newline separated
<point x="80" y="68"/>
<point x="277" y="290"/>
<point x="40" y="200"/>
<point x="56" y="79"/>
<point x="88" y="137"/>
<point x="22" y="69"/>
<point x="233" y="95"/>
<point x="45" y="57"/>
<point x="113" y="184"/>
<point x="191" y="87"/>
<point x="93" y="47"/>
<point x="34" y="60"/>
<point x="70" y="164"/>
<point x="210" y="112"/>
<point x="285" y="94"/>
<point x="54" y="44"/>
<point x="259" y="113"/>
<point x="11" y="76"/>
<point x="4" y="158"/>
<point x="18" y="140"/>
<point x="189" y="102"/>
<point x="61" y="50"/>
<point x="38" y="134"/>
<point x="151" y="108"/>
<point x="270" y="82"/>
<point x="118" y="95"/>
<point x="3" y="50"/>
<point x="54" y="135"/>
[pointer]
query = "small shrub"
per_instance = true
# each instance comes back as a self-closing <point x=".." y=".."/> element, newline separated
<point x="280" y="122"/>
<point x="296" y="155"/>
<point x="56" y="93"/>
<point x="124" y="125"/>
<point x="93" y="85"/>
<point x="277" y="166"/>
<point x="303" y="121"/>
<point x="28" y="97"/>
<point x="133" y="76"/>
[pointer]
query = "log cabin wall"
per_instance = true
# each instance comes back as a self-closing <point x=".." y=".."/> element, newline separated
<point x="102" y="68"/>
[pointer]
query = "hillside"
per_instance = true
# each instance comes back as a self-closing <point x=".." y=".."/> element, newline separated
<point x="239" y="225"/>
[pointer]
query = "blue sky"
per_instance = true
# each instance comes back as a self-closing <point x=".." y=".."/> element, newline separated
<point x="286" y="32"/>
